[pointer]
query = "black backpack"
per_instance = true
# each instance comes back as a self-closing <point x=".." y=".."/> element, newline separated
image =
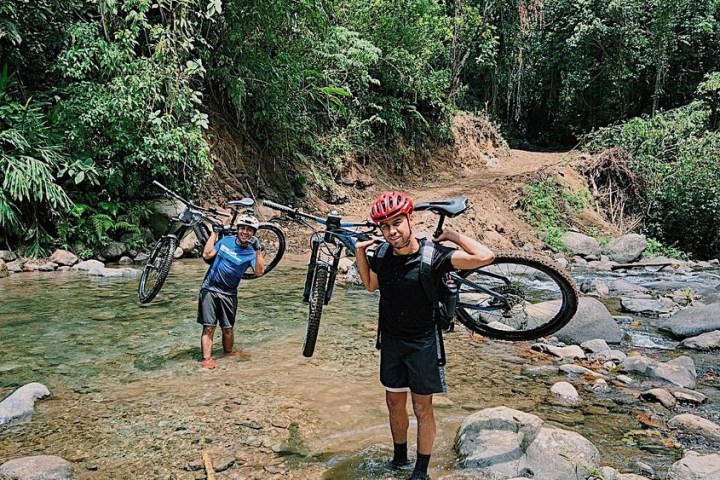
<point x="442" y="297"/>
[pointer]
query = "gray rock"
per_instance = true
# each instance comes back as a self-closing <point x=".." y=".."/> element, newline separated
<point x="16" y="266"/>
<point x="644" y="306"/>
<point x="659" y="395"/>
<point x="87" y="265"/>
<point x="688" y="396"/>
<point x="623" y="286"/>
<point x="4" y="272"/>
<point x="125" y="260"/>
<point x="504" y="442"/>
<point x="591" y="321"/>
<point x="578" y="244"/>
<point x="695" y="467"/>
<point x="706" y="341"/>
<point x="7" y="256"/>
<point x="570" y="351"/>
<point x="39" y="467"/>
<point x="565" y="393"/>
<point x="595" y="345"/>
<point x="627" y="248"/>
<point x="20" y="405"/>
<point x="64" y="258"/>
<point x="113" y="250"/>
<point x="48" y="267"/>
<point x="693" y="321"/>
<point x="689" y="423"/>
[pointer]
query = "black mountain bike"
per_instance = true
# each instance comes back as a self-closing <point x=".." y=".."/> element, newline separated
<point x="520" y="296"/>
<point x="195" y="218"/>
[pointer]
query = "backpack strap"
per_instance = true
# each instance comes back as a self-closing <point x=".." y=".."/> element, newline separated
<point x="429" y="284"/>
<point x="431" y="287"/>
<point x="380" y="253"/>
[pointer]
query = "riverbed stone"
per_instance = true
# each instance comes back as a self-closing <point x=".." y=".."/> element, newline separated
<point x="595" y="345"/>
<point x="20" y="405"/>
<point x="661" y="396"/>
<point x="8" y="256"/>
<point x="647" y="306"/>
<point x="566" y="393"/>
<point x="591" y="321"/>
<point x="87" y="265"/>
<point x="693" y="321"/>
<point x="688" y="396"/>
<point x="190" y="244"/>
<point x="706" y="341"/>
<point x="623" y="286"/>
<point x="569" y="351"/>
<point x="63" y="257"/>
<point x="609" y="473"/>
<point x="113" y="250"/>
<point x="689" y="423"/>
<point x="4" y="272"/>
<point x="47" y="267"/>
<point x="576" y="243"/>
<point x="679" y="371"/>
<point x="572" y="369"/>
<point x="38" y="467"/>
<point x="16" y="266"/>
<point x="694" y="466"/>
<point x="504" y="442"/>
<point x="627" y="248"/>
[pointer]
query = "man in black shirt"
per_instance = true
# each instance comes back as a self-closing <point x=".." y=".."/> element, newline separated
<point x="408" y="333"/>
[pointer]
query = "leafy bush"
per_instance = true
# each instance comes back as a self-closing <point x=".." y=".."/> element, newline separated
<point x="677" y="159"/>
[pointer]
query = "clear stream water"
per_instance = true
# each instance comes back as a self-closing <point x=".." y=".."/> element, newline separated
<point x="130" y="401"/>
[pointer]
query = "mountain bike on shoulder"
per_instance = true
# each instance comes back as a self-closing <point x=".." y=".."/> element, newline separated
<point x="196" y="219"/>
<point x="520" y="296"/>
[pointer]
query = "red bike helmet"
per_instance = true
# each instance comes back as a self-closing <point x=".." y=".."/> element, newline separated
<point x="389" y="205"/>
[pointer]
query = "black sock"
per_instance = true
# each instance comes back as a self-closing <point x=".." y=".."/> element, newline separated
<point x="400" y="455"/>
<point x="421" y="464"/>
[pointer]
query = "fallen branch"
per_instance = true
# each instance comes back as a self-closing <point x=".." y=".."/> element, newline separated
<point x="209" y="470"/>
<point x="645" y="264"/>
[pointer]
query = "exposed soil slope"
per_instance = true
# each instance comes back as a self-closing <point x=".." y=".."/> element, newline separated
<point x="479" y="165"/>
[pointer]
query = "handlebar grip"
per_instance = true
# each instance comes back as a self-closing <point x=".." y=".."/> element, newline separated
<point x="277" y="206"/>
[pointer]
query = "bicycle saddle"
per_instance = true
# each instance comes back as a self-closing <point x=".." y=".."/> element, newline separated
<point x="449" y="207"/>
<point x="244" y="202"/>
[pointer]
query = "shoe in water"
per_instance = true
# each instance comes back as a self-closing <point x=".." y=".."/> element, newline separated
<point x="399" y="465"/>
<point x="208" y="363"/>
<point x="419" y="476"/>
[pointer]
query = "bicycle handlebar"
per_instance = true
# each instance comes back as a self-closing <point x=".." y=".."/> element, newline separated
<point x="214" y="211"/>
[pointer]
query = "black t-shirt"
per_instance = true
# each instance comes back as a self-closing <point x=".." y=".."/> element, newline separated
<point x="405" y="310"/>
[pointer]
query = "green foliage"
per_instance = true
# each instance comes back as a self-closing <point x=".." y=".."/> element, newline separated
<point x="564" y="67"/>
<point x="677" y="158"/>
<point x="549" y="208"/>
<point x="31" y="163"/>
<point x="656" y="249"/>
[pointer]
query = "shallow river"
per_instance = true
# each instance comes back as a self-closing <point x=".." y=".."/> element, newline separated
<point x="129" y="400"/>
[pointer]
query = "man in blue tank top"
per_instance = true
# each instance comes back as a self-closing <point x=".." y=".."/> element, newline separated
<point x="231" y="257"/>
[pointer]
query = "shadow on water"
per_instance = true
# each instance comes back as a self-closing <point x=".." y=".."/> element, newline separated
<point x="124" y="375"/>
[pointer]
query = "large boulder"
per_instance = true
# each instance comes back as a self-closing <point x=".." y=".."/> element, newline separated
<point x="7" y="256"/>
<point x="578" y="244"/>
<point x="38" y="467"/>
<point x="64" y="258"/>
<point x="591" y="321"/>
<point x="113" y="250"/>
<point x="20" y="405"/>
<point x="508" y="443"/>
<point x="695" y="467"/>
<point x="627" y="248"/>
<point x="693" y="321"/>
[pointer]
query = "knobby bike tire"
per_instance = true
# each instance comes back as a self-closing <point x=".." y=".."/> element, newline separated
<point x="273" y="239"/>
<point x="156" y="269"/>
<point x="544" y="298"/>
<point x="317" y="300"/>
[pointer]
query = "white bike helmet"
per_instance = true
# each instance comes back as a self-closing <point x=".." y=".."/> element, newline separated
<point x="248" y="221"/>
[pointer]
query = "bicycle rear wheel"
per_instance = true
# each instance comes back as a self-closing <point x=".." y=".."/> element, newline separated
<point x="273" y="240"/>
<point x="542" y="298"/>
<point x="156" y="269"/>
<point x="317" y="300"/>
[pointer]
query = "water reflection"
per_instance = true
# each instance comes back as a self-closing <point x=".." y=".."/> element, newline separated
<point x="124" y="375"/>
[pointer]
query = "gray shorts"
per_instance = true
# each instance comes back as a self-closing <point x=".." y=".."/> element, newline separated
<point x="412" y="364"/>
<point x="214" y="307"/>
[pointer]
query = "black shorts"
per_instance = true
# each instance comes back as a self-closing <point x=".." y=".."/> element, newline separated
<point x="412" y="364"/>
<point x="214" y="307"/>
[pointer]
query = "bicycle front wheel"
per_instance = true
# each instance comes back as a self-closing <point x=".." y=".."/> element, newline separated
<point x="156" y="269"/>
<point x="539" y="298"/>
<point x="273" y="241"/>
<point x="317" y="300"/>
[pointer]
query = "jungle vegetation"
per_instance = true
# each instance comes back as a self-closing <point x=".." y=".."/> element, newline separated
<point x="98" y="98"/>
